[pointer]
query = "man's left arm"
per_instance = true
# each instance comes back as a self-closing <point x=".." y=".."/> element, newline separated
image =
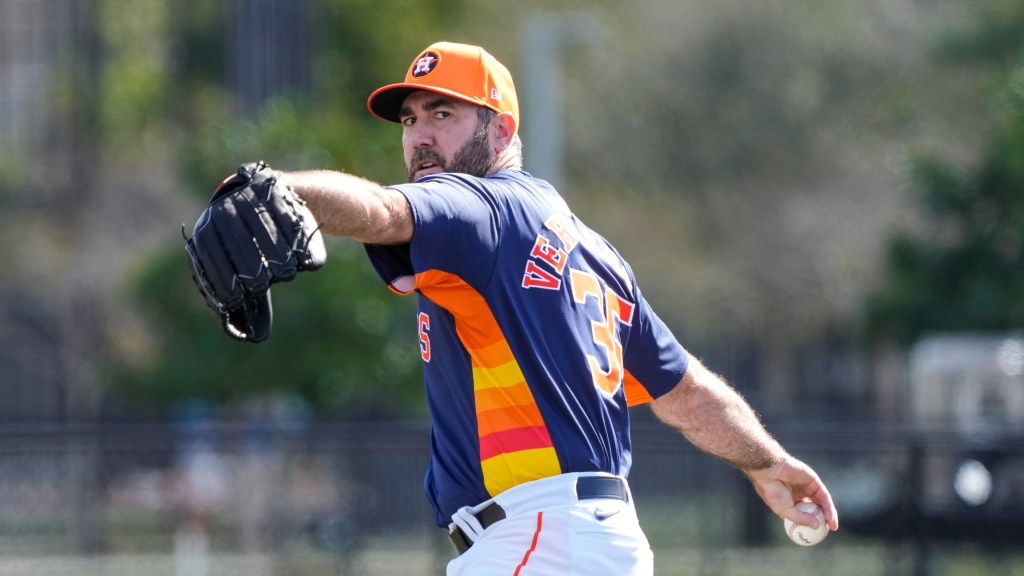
<point x="715" y="418"/>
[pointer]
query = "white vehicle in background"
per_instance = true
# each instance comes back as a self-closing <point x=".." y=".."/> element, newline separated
<point x="953" y="468"/>
<point x="969" y="389"/>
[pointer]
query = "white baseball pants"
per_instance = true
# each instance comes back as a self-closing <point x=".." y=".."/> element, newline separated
<point x="548" y="531"/>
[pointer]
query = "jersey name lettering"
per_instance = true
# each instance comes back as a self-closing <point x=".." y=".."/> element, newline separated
<point x="545" y="252"/>
<point x="537" y="277"/>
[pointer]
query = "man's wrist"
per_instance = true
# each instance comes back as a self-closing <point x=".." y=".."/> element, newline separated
<point x="769" y="462"/>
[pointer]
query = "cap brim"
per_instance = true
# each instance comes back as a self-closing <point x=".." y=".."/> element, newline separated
<point x="386" y="102"/>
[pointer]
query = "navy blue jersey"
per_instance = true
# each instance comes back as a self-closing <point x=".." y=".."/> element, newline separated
<point x="534" y="335"/>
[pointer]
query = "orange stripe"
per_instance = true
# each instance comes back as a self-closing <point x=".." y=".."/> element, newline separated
<point x="508" y="418"/>
<point x="494" y="355"/>
<point x="533" y="545"/>
<point x="636" y="394"/>
<point x="503" y="396"/>
<point x="453" y="294"/>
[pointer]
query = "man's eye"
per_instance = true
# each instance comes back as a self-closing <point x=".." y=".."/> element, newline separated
<point x="408" y="121"/>
<point x="442" y="114"/>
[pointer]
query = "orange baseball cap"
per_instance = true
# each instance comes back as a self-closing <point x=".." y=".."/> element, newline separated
<point x="458" y="70"/>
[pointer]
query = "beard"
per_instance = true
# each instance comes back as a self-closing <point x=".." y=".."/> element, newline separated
<point x="474" y="158"/>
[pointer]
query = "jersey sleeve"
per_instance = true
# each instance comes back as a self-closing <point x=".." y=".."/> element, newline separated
<point x="455" y="229"/>
<point x="654" y="360"/>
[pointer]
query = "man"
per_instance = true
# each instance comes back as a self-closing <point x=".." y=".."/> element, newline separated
<point x="534" y="338"/>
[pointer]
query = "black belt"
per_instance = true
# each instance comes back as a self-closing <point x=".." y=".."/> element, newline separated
<point x="587" y="488"/>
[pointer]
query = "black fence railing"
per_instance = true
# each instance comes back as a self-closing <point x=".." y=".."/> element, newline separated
<point x="348" y="499"/>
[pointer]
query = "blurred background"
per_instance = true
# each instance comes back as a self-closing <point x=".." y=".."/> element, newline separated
<point x="823" y="199"/>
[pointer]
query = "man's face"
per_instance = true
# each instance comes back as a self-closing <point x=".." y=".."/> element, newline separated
<point x="443" y="134"/>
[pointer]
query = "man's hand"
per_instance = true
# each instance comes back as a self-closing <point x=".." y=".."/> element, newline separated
<point x="789" y="481"/>
<point x="713" y="416"/>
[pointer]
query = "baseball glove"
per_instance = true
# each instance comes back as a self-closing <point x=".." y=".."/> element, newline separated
<point x="254" y="233"/>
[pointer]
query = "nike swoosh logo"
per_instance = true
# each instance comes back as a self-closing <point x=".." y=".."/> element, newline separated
<point x="601" y="515"/>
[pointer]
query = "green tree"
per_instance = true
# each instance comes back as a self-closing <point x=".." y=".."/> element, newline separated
<point x="340" y="340"/>
<point x="966" y="271"/>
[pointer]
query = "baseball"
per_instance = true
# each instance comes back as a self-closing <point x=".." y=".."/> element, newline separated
<point x="805" y="535"/>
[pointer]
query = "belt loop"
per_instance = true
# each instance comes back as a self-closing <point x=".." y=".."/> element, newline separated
<point x="486" y="516"/>
<point x="459" y="540"/>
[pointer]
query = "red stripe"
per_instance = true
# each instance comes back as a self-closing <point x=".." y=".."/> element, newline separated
<point x="526" y="438"/>
<point x="533" y="545"/>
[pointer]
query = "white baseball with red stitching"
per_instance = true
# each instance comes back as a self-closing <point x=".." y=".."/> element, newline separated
<point x="805" y="535"/>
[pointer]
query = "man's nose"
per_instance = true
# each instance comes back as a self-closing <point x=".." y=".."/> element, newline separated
<point x="421" y="136"/>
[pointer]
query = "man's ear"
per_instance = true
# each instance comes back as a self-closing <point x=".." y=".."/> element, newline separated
<point x="505" y="130"/>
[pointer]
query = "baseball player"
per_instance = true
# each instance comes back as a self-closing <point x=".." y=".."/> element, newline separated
<point x="534" y="335"/>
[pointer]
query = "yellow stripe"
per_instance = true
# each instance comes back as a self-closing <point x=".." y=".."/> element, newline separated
<point x="515" y="468"/>
<point x="502" y="376"/>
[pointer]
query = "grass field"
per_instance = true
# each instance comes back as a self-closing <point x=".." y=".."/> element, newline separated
<point x="421" y="559"/>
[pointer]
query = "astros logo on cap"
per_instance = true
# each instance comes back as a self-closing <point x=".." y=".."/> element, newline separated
<point x="425" y="64"/>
